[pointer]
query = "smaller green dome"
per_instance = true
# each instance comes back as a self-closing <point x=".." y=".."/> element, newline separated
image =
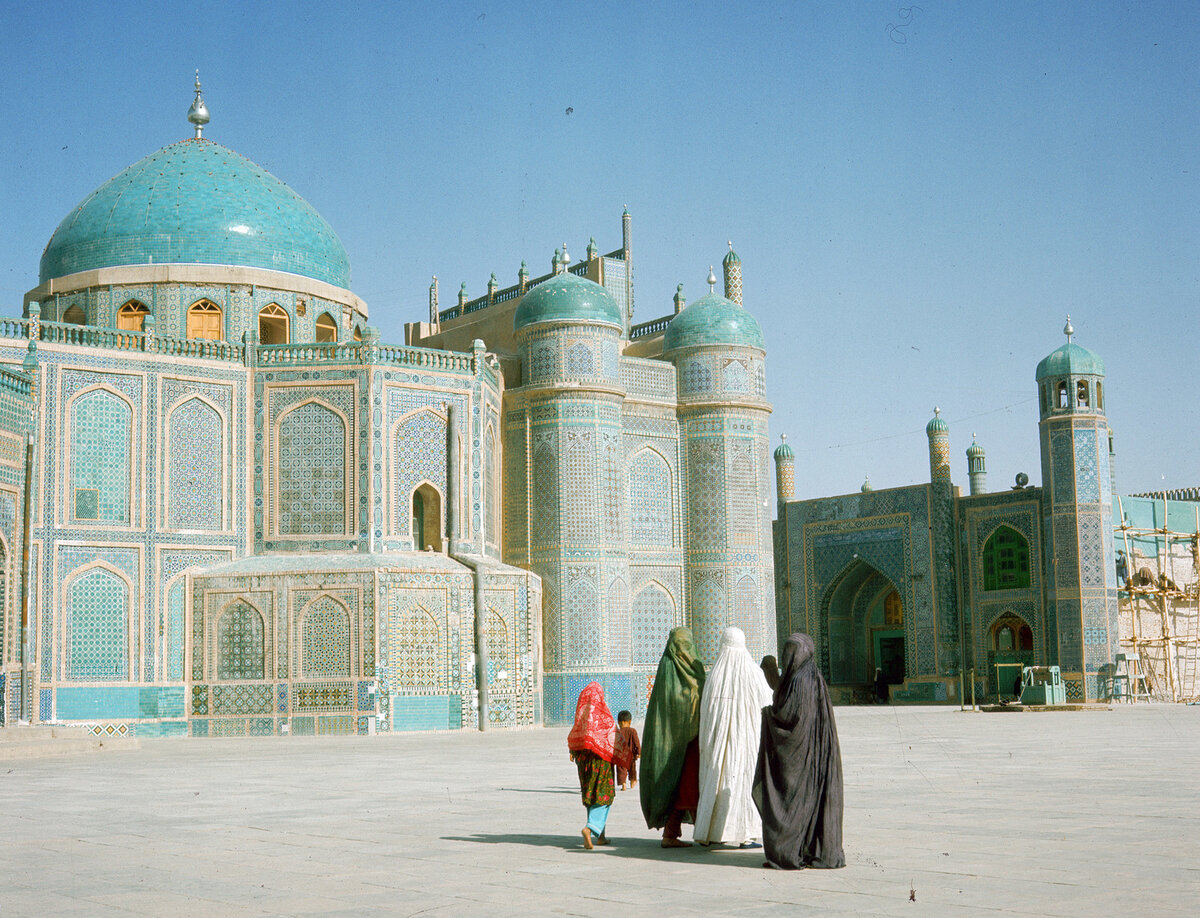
<point x="1070" y="360"/>
<point x="783" y="451"/>
<point x="866" y="486"/>
<point x="974" y="451"/>
<point x="936" y="424"/>
<point x="712" y="319"/>
<point x="731" y="257"/>
<point x="567" y="298"/>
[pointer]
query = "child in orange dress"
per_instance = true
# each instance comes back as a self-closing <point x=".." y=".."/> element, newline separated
<point x="629" y="736"/>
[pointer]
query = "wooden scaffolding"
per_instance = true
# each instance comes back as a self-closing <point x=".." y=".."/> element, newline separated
<point x="1160" y="604"/>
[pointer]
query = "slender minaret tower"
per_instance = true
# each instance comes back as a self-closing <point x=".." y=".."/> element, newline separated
<point x="785" y="471"/>
<point x="1080" y="574"/>
<point x="434" y="317"/>
<point x="732" y="266"/>
<point x="976" y="467"/>
<point x="938" y="432"/>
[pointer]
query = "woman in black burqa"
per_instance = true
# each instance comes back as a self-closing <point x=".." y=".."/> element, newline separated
<point x="798" y="783"/>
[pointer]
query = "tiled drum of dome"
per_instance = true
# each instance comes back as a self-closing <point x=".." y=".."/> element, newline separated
<point x="419" y="448"/>
<point x="100" y="444"/>
<point x="734" y="377"/>
<point x="311" y="467"/>
<point x="195" y="476"/>
<point x="580" y="361"/>
<point x="97" y="628"/>
<point x="650" y="521"/>
<point x="240" y="644"/>
<point x="325" y="636"/>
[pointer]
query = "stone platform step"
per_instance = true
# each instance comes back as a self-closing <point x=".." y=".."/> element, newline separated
<point x="25" y="742"/>
<point x="997" y="708"/>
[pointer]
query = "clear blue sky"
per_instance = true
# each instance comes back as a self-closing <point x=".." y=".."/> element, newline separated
<point x="919" y="195"/>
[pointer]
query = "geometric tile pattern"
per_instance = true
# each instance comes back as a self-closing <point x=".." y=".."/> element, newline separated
<point x="652" y="620"/>
<point x="100" y="444"/>
<point x="325" y="640"/>
<point x="196" y="474"/>
<point x="240" y="644"/>
<point x="650" y="500"/>
<point x="311" y="463"/>
<point x="97" y="619"/>
<point x="419" y="455"/>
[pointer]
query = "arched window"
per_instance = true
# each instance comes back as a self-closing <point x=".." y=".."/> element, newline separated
<point x="1064" y="396"/>
<point x="327" y="332"/>
<point x="1005" y="639"/>
<point x="131" y="315"/>
<point x="97" y="628"/>
<point x="1025" y="638"/>
<point x="1005" y="561"/>
<point x="1082" y="398"/>
<point x="1099" y="396"/>
<point x="358" y="333"/>
<point x="427" y="518"/>
<point x="204" y="320"/>
<point x="74" y="316"/>
<point x="272" y="324"/>
<point x="893" y="610"/>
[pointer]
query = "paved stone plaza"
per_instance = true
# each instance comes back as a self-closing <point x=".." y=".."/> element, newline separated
<point x="1086" y="813"/>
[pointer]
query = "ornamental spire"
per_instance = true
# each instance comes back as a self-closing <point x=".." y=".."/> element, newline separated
<point x="1068" y="330"/>
<point x="198" y="113"/>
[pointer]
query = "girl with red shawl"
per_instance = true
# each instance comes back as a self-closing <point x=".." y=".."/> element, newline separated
<point x="592" y="745"/>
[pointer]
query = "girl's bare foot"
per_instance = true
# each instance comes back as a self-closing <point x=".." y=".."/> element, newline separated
<point x="587" y="838"/>
<point x="675" y="843"/>
<point x="602" y="839"/>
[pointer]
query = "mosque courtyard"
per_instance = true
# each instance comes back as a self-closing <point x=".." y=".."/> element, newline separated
<point x="947" y="813"/>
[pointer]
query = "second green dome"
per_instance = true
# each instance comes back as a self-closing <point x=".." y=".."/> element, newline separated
<point x="712" y="319"/>
<point x="567" y="298"/>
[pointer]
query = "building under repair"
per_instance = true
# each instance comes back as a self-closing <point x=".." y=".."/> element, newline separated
<point x="1158" y="569"/>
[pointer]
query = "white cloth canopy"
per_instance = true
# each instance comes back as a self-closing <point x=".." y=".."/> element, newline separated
<point x="735" y="692"/>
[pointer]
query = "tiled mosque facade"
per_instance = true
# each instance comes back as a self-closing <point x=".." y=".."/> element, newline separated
<point x="933" y="586"/>
<point x="226" y="508"/>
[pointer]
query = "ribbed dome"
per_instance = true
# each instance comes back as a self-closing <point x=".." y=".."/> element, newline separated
<point x="1070" y="360"/>
<point x="568" y="298"/>
<point x="936" y="424"/>
<point x="974" y="451"/>
<point x="196" y="202"/>
<point x="783" y="451"/>
<point x="712" y="319"/>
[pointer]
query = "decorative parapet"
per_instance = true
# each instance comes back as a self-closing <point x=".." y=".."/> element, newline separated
<point x="514" y="292"/>
<point x="653" y="327"/>
<point x="15" y="381"/>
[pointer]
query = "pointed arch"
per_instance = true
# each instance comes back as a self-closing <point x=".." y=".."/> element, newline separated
<point x="1005" y="560"/>
<point x="131" y="315"/>
<point x="651" y="509"/>
<point x="100" y="422"/>
<point x="418" y="443"/>
<point x="241" y="642"/>
<point x="205" y="320"/>
<point x="74" y="315"/>
<point x="418" y="652"/>
<point x="196" y="460"/>
<point x="98" y="639"/>
<point x="326" y="329"/>
<point x="274" y="325"/>
<point x="428" y="521"/>
<point x="653" y="616"/>
<point x="312" y="446"/>
<point x="325" y="641"/>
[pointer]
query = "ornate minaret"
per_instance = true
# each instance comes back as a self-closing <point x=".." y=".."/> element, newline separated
<point x="785" y="471"/>
<point x="1081" y="612"/>
<point x="732" y="266"/>
<point x="976" y="467"/>
<point x="434" y="317"/>
<point x="938" y="432"/>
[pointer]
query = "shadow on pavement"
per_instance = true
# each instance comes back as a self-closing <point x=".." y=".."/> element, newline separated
<point x="643" y="848"/>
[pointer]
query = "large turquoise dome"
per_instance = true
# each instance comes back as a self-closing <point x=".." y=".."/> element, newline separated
<point x="712" y="319"/>
<point x="1070" y="360"/>
<point x="196" y="202"/>
<point x="567" y="298"/>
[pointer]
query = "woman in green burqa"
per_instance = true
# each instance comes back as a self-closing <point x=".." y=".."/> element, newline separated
<point x="670" y="783"/>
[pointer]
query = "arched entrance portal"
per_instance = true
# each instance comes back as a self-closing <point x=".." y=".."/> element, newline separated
<point x="863" y="614"/>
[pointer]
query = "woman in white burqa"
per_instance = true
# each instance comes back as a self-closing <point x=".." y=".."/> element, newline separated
<point x="735" y="693"/>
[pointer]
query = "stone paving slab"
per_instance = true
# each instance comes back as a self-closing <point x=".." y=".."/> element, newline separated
<point x="1058" y="814"/>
